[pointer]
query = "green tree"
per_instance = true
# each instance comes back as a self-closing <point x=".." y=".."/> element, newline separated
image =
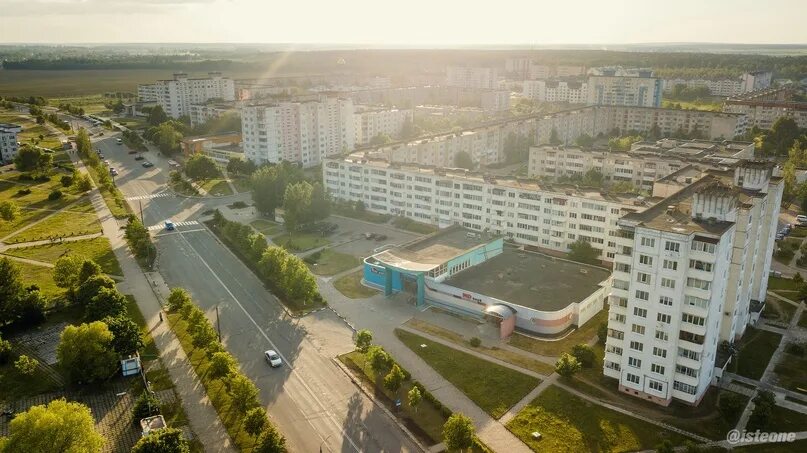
<point x="146" y="405"/>
<point x="60" y="426"/>
<point x="66" y="270"/>
<point x="222" y="365"/>
<point x="414" y="397"/>
<point x="583" y="252"/>
<point x="83" y="183"/>
<point x="264" y="190"/>
<point x="458" y="432"/>
<point x="26" y="365"/>
<point x="379" y="140"/>
<point x="270" y="441"/>
<point x="201" y="167"/>
<point x="178" y="298"/>
<point x="108" y="302"/>
<point x="320" y="203"/>
<point x="89" y="268"/>
<point x="11" y="289"/>
<point x="464" y="160"/>
<point x="126" y="336"/>
<point x="90" y="288"/>
<point x="9" y="210"/>
<point x="5" y="352"/>
<point x="33" y="160"/>
<point x="167" y="138"/>
<point x="379" y="360"/>
<point x="85" y="352"/>
<point x="244" y="393"/>
<point x="584" y="140"/>
<point x="554" y="140"/>
<point x="364" y="338"/>
<point x="730" y="404"/>
<point x="567" y="365"/>
<point x="665" y="447"/>
<point x="593" y="178"/>
<point x="255" y="421"/>
<point x="157" y="116"/>
<point x="30" y="307"/>
<point x="602" y="332"/>
<point x="166" y="440"/>
<point x="763" y="408"/>
<point x="297" y="204"/>
<point x="394" y="379"/>
<point x="584" y="354"/>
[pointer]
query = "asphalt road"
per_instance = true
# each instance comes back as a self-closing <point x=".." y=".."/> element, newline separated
<point x="313" y="403"/>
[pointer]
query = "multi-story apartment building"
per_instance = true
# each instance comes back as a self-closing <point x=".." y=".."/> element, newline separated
<point x="368" y="123"/>
<point x="8" y="141"/>
<point x="640" y="89"/>
<point x="177" y="95"/>
<point x="764" y="107"/>
<point x="491" y="100"/>
<point x="472" y="77"/>
<point x="685" y="276"/>
<point x="644" y="164"/>
<point x="543" y="71"/>
<point x="756" y="80"/>
<point x="202" y="113"/>
<point x="304" y="132"/>
<point x="717" y="87"/>
<point x="595" y="120"/>
<point x="571" y="91"/>
<point x="549" y="217"/>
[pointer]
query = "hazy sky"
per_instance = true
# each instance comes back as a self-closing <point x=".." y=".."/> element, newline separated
<point x="404" y="21"/>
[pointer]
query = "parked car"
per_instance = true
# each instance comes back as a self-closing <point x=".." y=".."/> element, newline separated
<point x="131" y="151"/>
<point x="369" y="235"/>
<point x="147" y="164"/>
<point x="779" y="236"/>
<point x="169" y="225"/>
<point x="173" y="164"/>
<point x="380" y="237"/>
<point x="113" y="172"/>
<point x="139" y="157"/>
<point x="273" y="358"/>
<point x="801" y="219"/>
<point x="119" y="140"/>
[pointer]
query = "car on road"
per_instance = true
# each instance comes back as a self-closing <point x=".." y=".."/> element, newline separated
<point x="173" y="164"/>
<point x="106" y="162"/>
<point x="801" y="219"/>
<point x="273" y="358"/>
<point x="139" y="157"/>
<point x="113" y="171"/>
<point x="147" y="164"/>
<point x="100" y="155"/>
<point x="131" y="151"/>
<point x="119" y="140"/>
<point x="779" y="236"/>
<point x="169" y="225"/>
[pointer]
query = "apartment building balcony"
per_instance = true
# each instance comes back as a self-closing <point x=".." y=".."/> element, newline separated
<point x="694" y="328"/>
<point x="687" y="362"/>
<point x="697" y="292"/>
<point x="612" y="357"/>
<point x="692" y="346"/>
<point x="699" y="255"/>
<point x="699" y="274"/>
<point x="686" y="379"/>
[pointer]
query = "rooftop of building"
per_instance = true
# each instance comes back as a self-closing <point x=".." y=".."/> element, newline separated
<point x="429" y="252"/>
<point x="635" y="201"/>
<point x="221" y="135"/>
<point x="531" y="280"/>
<point x="10" y="127"/>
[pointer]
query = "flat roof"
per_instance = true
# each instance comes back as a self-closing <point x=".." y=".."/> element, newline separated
<point x="429" y="252"/>
<point x="531" y="280"/>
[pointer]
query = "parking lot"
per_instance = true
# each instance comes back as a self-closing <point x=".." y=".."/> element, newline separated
<point x="350" y="237"/>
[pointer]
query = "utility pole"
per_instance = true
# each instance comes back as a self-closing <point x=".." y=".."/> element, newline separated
<point x="141" y="213"/>
<point x="218" y="323"/>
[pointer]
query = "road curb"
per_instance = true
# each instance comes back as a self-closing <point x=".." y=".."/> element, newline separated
<point x="369" y="394"/>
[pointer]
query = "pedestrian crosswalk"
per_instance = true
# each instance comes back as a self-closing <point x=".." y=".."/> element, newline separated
<point x="161" y="226"/>
<point x="149" y="196"/>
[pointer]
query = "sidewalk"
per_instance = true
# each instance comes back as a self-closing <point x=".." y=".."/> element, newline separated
<point x="202" y="416"/>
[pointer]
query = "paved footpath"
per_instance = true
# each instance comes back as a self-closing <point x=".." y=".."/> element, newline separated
<point x="202" y="416"/>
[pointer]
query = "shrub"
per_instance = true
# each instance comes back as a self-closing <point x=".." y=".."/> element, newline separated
<point x="584" y="354"/>
<point x="475" y="342"/>
<point x="55" y="195"/>
<point x="145" y="406"/>
<point x="795" y="349"/>
<point x="26" y="365"/>
<point x="5" y="351"/>
<point x="239" y="205"/>
<point x="729" y="405"/>
<point x="22" y="192"/>
<point x="66" y="181"/>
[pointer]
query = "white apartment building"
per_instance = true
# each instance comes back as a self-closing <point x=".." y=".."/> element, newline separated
<point x="573" y="92"/>
<point x="472" y="77"/>
<point x="545" y="216"/>
<point x="492" y="100"/>
<point x="763" y="114"/>
<point x="639" y="90"/>
<point x="202" y="113"/>
<point x="371" y="122"/>
<point x="756" y="80"/>
<point x="304" y="132"/>
<point x="644" y="164"/>
<point x="543" y="71"/>
<point x="685" y="274"/>
<point x="8" y="141"/>
<point x="718" y="87"/>
<point x="177" y="95"/>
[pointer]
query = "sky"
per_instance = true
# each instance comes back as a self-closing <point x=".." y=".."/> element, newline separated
<point x="408" y="22"/>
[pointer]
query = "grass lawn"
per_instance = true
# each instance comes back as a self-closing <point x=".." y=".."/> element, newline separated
<point x="14" y="385"/>
<point x="791" y="371"/>
<point x="92" y="104"/>
<point x="756" y="348"/>
<point x="555" y="348"/>
<point x="694" y="105"/>
<point x="779" y="310"/>
<point x="30" y="130"/>
<point x="35" y="205"/>
<point x="780" y="447"/>
<point x="300" y="242"/>
<point x="267" y="227"/>
<point x="571" y="424"/>
<point x="113" y="199"/>
<point x="216" y="187"/>
<point x="786" y="420"/>
<point x="492" y="387"/>
<point x="803" y="319"/>
<point x="241" y="184"/>
<point x="798" y="232"/>
<point x="779" y="283"/>
<point x="408" y="224"/>
<point x="330" y="262"/>
<point x="350" y="286"/>
<point x="96" y="249"/>
<point x="70" y="222"/>
<point x="150" y="350"/>
<point x="40" y="276"/>
<point x="502" y="354"/>
<point x="365" y="215"/>
<point x="215" y="389"/>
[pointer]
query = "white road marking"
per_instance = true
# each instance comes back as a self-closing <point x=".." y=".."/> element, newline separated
<point x="150" y="196"/>
<point x="161" y="226"/>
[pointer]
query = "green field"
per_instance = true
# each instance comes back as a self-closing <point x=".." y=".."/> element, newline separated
<point x="494" y="388"/>
<point x="329" y="262"/>
<point x="570" y="424"/>
<point x="350" y="286"/>
<point x="91" y="104"/>
<point x="216" y="187"/>
<point x="30" y="130"/>
<point x="555" y="348"/>
<point x="266" y="227"/>
<point x="300" y="242"/>
<point x="74" y="221"/>
<point x="40" y="276"/>
<point x="97" y="249"/>
<point x="33" y="206"/>
<point x="755" y="351"/>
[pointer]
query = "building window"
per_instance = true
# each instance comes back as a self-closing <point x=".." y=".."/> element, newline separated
<point x="632" y="378"/>
<point x="692" y="319"/>
<point x="686" y="353"/>
<point x="663" y="317"/>
<point x="646" y="260"/>
<point x="654" y="385"/>
<point x="648" y="242"/>
<point x="641" y="277"/>
<point x="640" y="312"/>
<point x="665" y="300"/>
<point x="671" y="265"/>
<point x="672" y="246"/>
<point x="661" y="335"/>
<point x="634" y="362"/>
<point x="686" y="388"/>
<point x="668" y="283"/>
<point x="699" y="246"/>
<point x="698" y="283"/>
<point x="637" y="346"/>
<point x="656" y="368"/>
<point x="636" y="328"/>
<point x="700" y="265"/>
<point x="658" y="352"/>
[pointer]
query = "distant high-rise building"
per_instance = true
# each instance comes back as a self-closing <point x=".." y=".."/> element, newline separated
<point x="637" y="88"/>
<point x="756" y="80"/>
<point x="369" y="123"/>
<point x="472" y="77"/>
<point x="177" y="95"/>
<point x="571" y="91"/>
<point x="303" y="132"/>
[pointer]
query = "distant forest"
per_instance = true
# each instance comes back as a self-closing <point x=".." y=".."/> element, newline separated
<point x="387" y="61"/>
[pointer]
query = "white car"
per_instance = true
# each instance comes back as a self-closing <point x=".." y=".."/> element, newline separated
<point x="801" y="219"/>
<point x="273" y="358"/>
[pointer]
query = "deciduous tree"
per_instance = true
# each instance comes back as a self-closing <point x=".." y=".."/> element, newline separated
<point x="166" y="440"/>
<point x="255" y="421"/>
<point x="108" y="302"/>
<point x="458" y="432"/>
<point x="244" y="393"/>
<point x="222" y="365"/>
<point x="364" y="338"/>
<point x="201" y="167"/>
<point x="60" y="426"/>
<point x="127" y="338"/>
<point x="414" y="397"/>
<point x="394" y="379"/>
<point x="26" y="365"/>
<point x="9" y="210"/>
<point x="85" y="352"/>
<point x="270" y="441"/>
<point x="567" y="365"/>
